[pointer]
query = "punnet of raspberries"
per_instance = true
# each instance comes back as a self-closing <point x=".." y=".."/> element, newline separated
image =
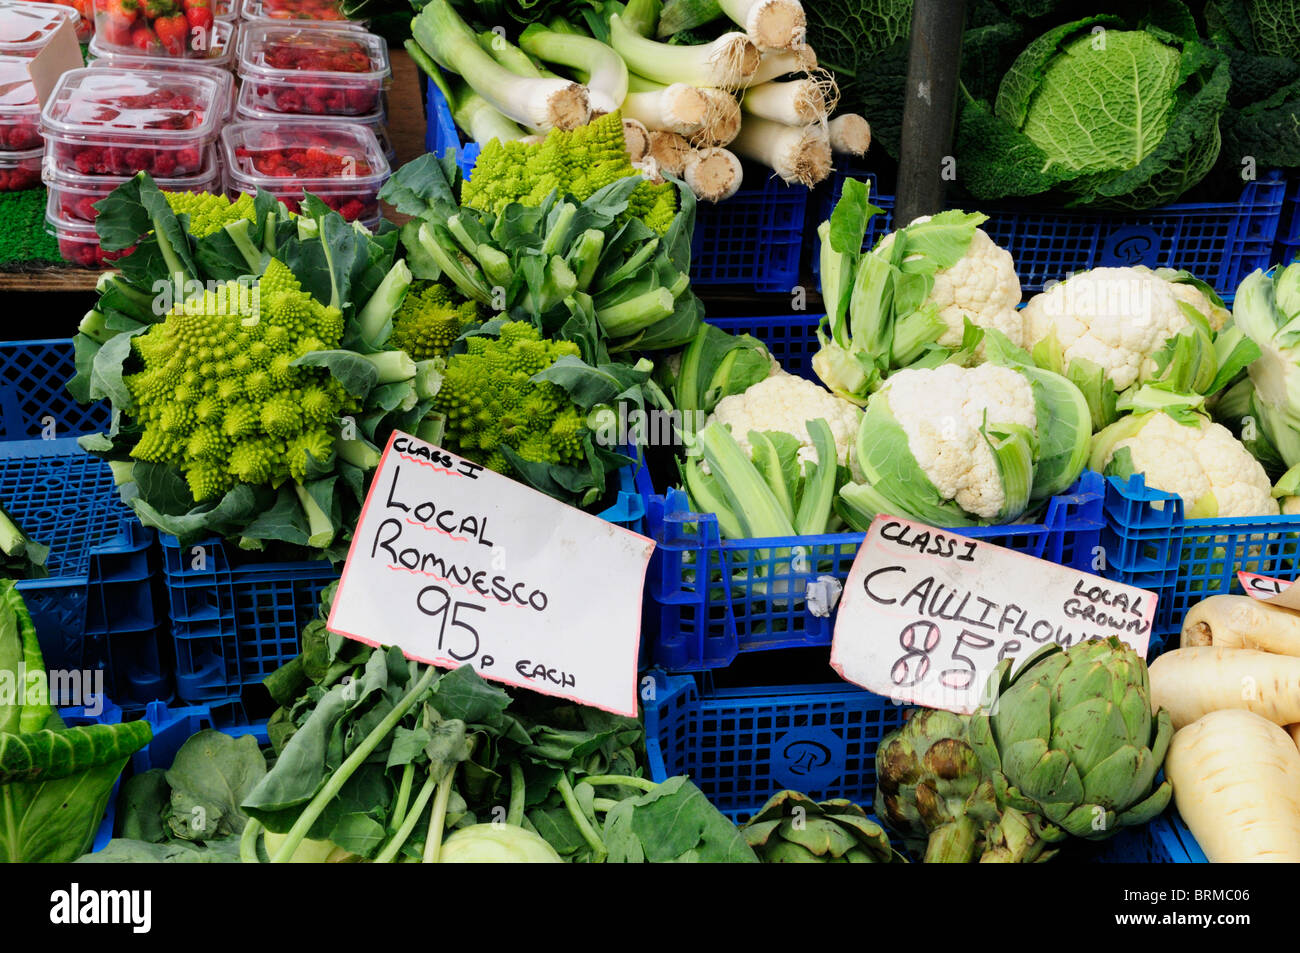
<point x="161" y="27"/>
<point x="127" y="160"/>
<point x="86" y="251"/>
<point x="317" y="99"/>
<point x="19" y="135"/>
<point x="310" y="162"/>
<point x="303" y="10"/>
<point x="19" y="177"/>
<point x="317" y="51"/>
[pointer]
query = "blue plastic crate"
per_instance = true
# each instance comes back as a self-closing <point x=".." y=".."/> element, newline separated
<point x="1287" y="248"/>
<point x="754" y="238"/>
<point x="34" y="403"/>
<point x="1194" y="853"/>
<point x="741" y="746"/>
<point x="1221" y="243"/>
<point x="102" y="563"/>
<point x="1148" y="542"/>
<point x="235" y="619"/>
<point x="108" y="714"/>
<point x="702" y="625"/>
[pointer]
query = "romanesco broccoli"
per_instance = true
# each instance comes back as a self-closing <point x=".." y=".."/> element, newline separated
<point x="218" y="397"/>
<point x="577" y="163"/>
<point x="491" y="402"/>
<point x="429" y="322"/>
<point x="210" y="213"/>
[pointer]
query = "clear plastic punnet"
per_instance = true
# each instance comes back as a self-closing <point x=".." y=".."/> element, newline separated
<point x="120" y="30"/>
<point x="111" y="121"/>
<point x="20" y="170"/>
<point x="78" y="241"/>
<point x="75" y="195"/>
<point x="299" y="11"/>
<point x="20" y="112"/>
<point x="313" y="71"/>
<point x="25" y="27"/>
<point x="342" y="163"/>
<point x="377" y="121"/>
<point x="189" y="67"/>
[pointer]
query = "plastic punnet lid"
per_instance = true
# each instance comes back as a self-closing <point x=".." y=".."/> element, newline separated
<point x="17" y="94"/>
<point x="228" y="10"/>
<point x="26" y="27"/>
<point x="276" y="156"/>
<point x="161" y="106"/>
<point x="307" y="53"/>
<point x="222" y="43"/>
<point x="57" y="176"/>
<point x="315" y="11"/>
<point x="247" y="110"/>
<point x="15" y="160"/>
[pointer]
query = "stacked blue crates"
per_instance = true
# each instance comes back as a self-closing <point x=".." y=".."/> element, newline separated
<point x="97" y="608"/>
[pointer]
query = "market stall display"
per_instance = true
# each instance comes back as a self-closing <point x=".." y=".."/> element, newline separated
<point x="287" y="319"/>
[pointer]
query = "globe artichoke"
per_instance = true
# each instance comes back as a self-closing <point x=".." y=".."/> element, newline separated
<point x="932" y="791"/>
<point x="1071" y="737"/>
<point x="792" y="828"/>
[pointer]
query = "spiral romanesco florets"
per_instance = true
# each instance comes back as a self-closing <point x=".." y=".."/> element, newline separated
<point x="490" y="401"/>
<point x="210" y="213"/>
<point x="218" y="398"/>
<point x="430" y="321"/>
<point x="577" y="163"/>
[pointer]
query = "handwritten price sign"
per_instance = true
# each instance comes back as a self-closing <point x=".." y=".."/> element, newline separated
<point x="927" y="615"/>
<point x="458" y="565"/>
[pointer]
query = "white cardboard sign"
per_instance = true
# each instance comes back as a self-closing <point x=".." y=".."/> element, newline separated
<point x="1276" y="592"/>
<point x="928" y="614"/>
<point x="456" y="564"/>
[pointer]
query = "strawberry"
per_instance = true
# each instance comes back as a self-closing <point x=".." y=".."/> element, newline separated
<point x="153" y="9"/>
<point x="143" y="38"/>
<point x="173" y="33"/>
<point x="116" y="17"/>
<point x="198" y="13"/>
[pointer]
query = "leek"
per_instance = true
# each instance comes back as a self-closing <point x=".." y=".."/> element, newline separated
<point x="796" y="102"/>
<point x="729" y="62"/>
<point x="850" y="134"/>
<point x="677" y="108"/>
<point x="797" y="155"/>
<point x="606" y="71"/>
<point x="713" y="174"/>
<point x="771" y="24"/>
<point x="538" y="103"/>
<point x="797" y="59"/>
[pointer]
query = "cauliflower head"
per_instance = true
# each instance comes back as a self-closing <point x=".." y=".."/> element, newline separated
<point x="786" y="403"/>
<point x="1116" y="318"/>
<point x="942" y="411"/>
<point x="1202" y="462"/>
<point x="982" y="286"/>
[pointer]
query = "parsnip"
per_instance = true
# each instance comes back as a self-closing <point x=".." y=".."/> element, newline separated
<point x="1236" y="781"/>
<point x="1294" y="731"/>
<point x="1194" y="681"/>
<point x="1241" y="622"/>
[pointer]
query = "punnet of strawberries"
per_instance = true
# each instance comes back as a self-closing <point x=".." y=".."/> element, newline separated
<point x="303" y="10"/>
<point x="156" y="27"/>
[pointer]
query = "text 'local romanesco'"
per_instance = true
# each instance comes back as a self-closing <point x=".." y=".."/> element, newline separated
<point x="577" y="163"/>
<point x="210" y="213"/>
<point x="491" y="402"/>
<point x="429" y="321"/>
<point x="218" y="397"/>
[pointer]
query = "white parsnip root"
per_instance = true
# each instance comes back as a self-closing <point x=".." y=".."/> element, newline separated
<point x="713" y="174"/>
<point x="799" y="155"/>
<point x="637" y="138"/>
<point x="796" y="102"/>
<point x="1236" y="780"/>
<point x="670" y="151"/>
<point x="1240" y="622"/>
<point x="1194" y="681"/>
<point x="1294" y="732"/>
<point x="677" y="108"/>
<point x="850" y="134"/>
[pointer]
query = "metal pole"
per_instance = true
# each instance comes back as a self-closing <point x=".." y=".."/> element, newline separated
<point x="934" y="58"/>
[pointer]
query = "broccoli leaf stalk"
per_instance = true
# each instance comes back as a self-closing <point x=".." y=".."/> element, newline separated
<point x="392" y="366"/>
<point x="464" y="275"/>
<point x="376" y="318"/>
<point x="243" y="241"/>
<point x="359" y="453"/>
<point x="316" y="806"/>
<point x="320" y="529"/>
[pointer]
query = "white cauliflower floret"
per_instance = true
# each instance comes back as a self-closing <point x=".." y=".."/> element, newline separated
<point x="1195" y="461"/>
<point x="982" y="285"/>
<point x="1194" y="296"/>
<point x="1116" y="318"/>
<point x="786" y="403"/>
<point x="942" y="410"/>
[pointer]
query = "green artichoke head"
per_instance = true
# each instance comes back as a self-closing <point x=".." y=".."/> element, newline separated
<point x="1071" y="737"/>
<point x="792" y="828"/>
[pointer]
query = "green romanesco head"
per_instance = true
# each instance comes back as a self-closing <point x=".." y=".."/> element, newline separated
<point x="429" y="322"/>
<point x="218" y="397"/>
<point x="491" y="402"/>
<point x="210" y="213"/>
<point x="577" y="163"/>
